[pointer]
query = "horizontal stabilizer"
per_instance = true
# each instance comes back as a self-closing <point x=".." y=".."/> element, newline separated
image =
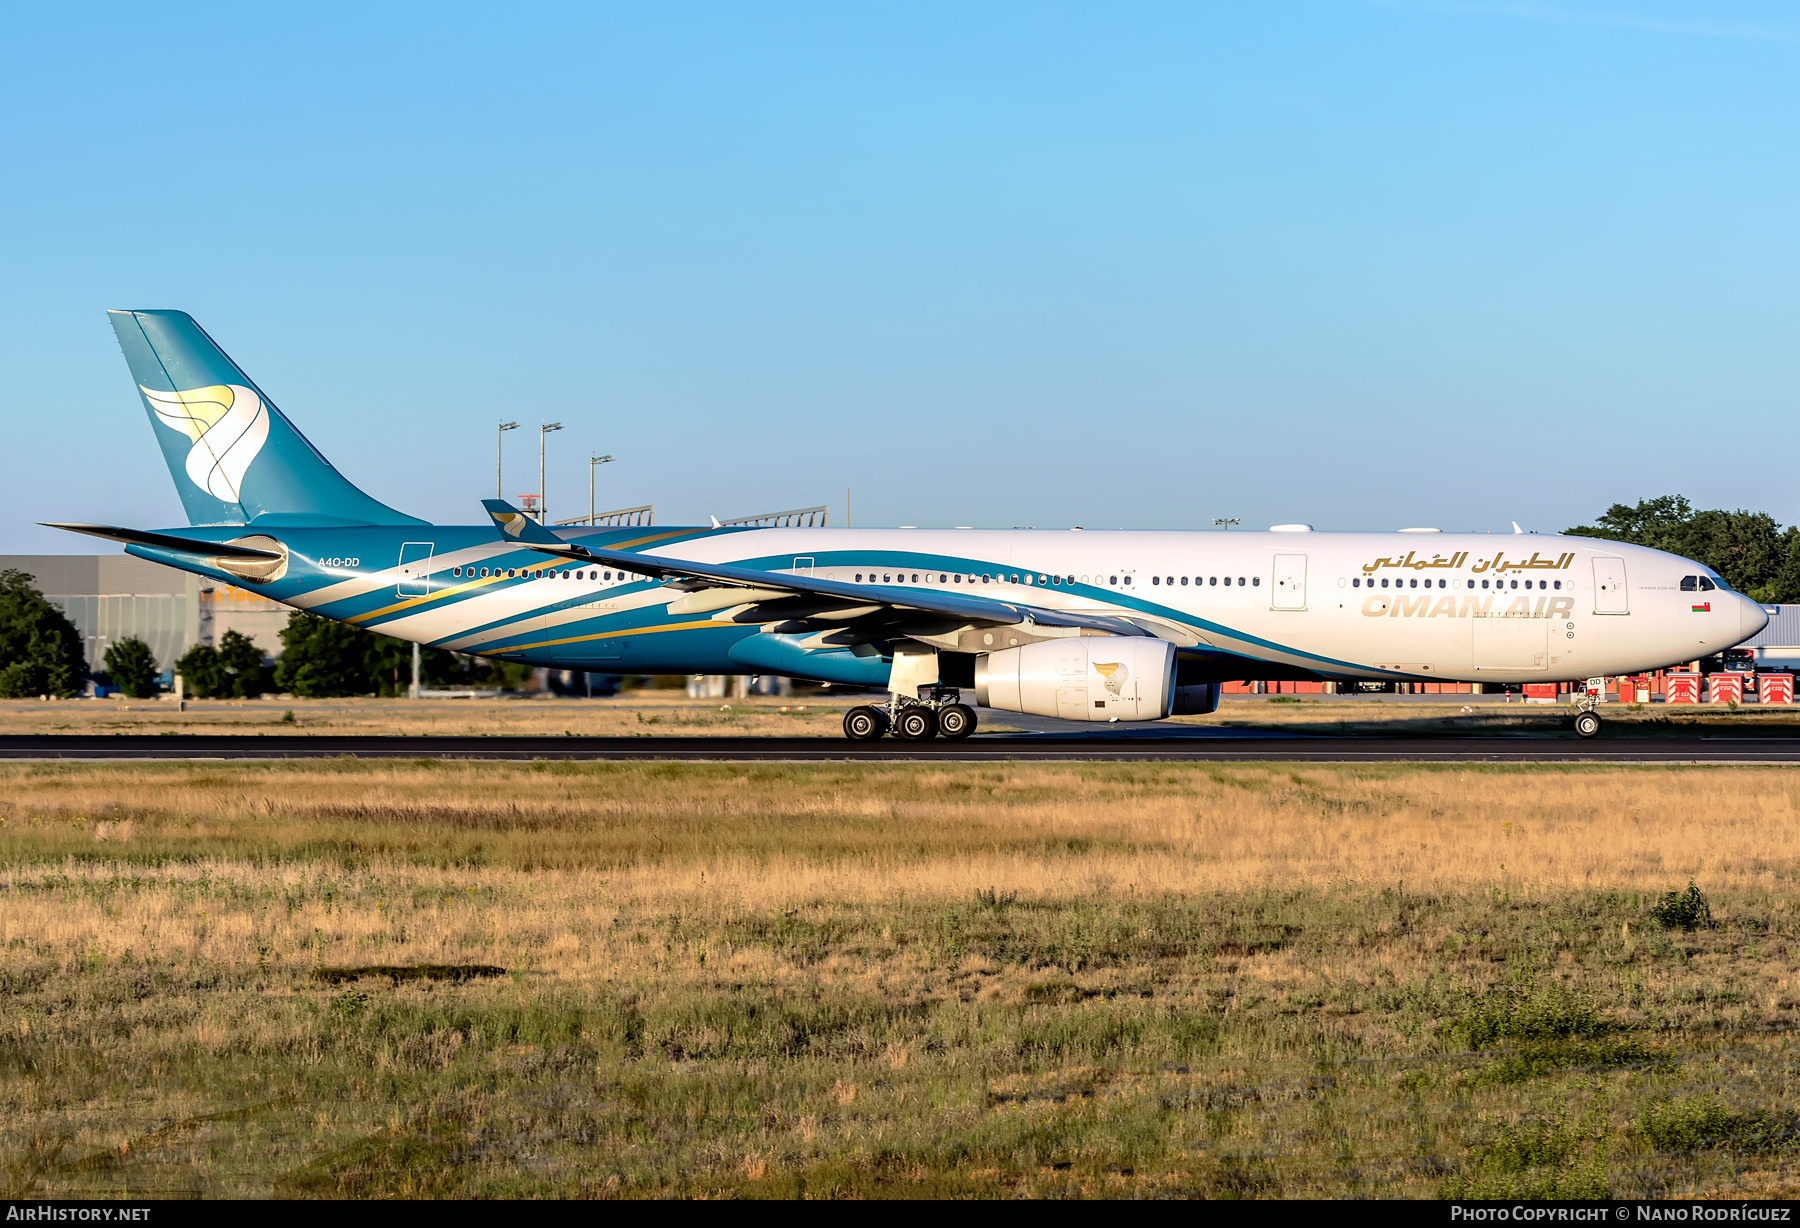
<point x="166" y="541"/>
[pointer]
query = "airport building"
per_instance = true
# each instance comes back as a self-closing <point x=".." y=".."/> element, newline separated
<point x="110" y="597"/>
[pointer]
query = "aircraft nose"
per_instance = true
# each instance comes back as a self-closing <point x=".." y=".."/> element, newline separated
<point x="1751" y="617"/>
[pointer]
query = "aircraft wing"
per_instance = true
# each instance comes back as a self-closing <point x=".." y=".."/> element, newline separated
<point x="842" y="602"/>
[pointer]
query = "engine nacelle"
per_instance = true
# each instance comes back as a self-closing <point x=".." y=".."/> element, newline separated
<point x="1197" y="700"/>
<point x="1081" y="678"/>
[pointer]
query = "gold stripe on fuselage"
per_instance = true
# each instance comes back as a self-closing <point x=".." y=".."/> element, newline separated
<point x="605" y="635"/>
<point x="412" y="603"/>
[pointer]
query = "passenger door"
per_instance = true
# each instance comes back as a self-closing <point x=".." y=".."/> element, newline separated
<point x="1288" y="590"/>
<point x="1610" y="596"/>
<point x="415" y="569"/>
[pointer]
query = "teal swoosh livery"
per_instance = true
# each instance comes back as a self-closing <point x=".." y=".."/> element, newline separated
<point x="1083" y="626"/>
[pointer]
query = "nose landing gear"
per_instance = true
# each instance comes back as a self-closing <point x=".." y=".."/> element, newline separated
<point x="1587" y="721"/>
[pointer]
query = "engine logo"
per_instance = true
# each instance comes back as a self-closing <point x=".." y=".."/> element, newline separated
<point x="1115" y="674"/>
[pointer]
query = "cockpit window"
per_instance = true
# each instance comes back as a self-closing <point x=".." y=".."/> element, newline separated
<point x="1706" y="585"/>
<point x="1690" y="584"/>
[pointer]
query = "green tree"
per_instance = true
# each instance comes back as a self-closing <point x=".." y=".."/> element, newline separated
<point x="1659" y="523"/>
<point x="1785" y="587"/>
<point x="200" y="669"/>
<point x="131" y="666"/>
<point x="322" y="659"/>
<point x="1747" y="548"/>
<point x="247" y="674"/>
<point x="40" y="650"/>
<point x="1744" y="547"/>
<point x="234" y="670"/>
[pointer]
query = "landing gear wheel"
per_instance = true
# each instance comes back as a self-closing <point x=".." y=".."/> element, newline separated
<point x="956" y="721"/>
<point x="1587" y="724"/>
<point x="916" y="724"/>
<point x="864" y="724"/>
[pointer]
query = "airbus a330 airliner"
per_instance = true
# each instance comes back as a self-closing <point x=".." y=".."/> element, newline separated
<point x="1086" y="626"/>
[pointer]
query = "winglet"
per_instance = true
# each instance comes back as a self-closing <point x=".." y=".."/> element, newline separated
<point x="515" y="525"/>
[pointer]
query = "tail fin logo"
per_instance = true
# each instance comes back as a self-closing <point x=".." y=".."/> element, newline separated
<point x="227" y="425"/>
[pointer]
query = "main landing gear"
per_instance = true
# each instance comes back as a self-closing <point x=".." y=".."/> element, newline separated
<point x="940" y="714"/>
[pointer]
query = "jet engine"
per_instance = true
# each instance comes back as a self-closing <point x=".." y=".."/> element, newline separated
<point x="1081" y="678"/>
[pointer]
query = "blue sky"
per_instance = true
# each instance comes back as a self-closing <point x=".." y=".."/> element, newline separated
<point x="1360" y="264"/>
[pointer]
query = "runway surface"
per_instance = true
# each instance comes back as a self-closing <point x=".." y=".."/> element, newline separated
<point x="1209" y="744"/>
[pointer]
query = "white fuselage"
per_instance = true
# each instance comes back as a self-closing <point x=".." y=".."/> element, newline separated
<point x="1470" y="607"/>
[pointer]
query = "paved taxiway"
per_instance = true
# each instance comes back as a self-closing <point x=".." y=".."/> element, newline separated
<point x="1213" y="745"/>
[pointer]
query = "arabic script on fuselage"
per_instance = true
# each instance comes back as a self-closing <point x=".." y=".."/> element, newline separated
<point x="1456" y="561"/>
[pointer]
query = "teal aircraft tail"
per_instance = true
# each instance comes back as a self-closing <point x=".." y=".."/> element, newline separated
<point x="235" y="458"/>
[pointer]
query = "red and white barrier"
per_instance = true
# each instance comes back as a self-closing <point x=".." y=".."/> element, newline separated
<point x="1775" y="688"/>
<point x="1682" y="688"/>
<point x="1725" y="689"/>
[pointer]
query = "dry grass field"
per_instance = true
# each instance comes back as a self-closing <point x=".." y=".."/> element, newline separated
<point x="453" y="979"/>
<point x="644" y="714"/>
